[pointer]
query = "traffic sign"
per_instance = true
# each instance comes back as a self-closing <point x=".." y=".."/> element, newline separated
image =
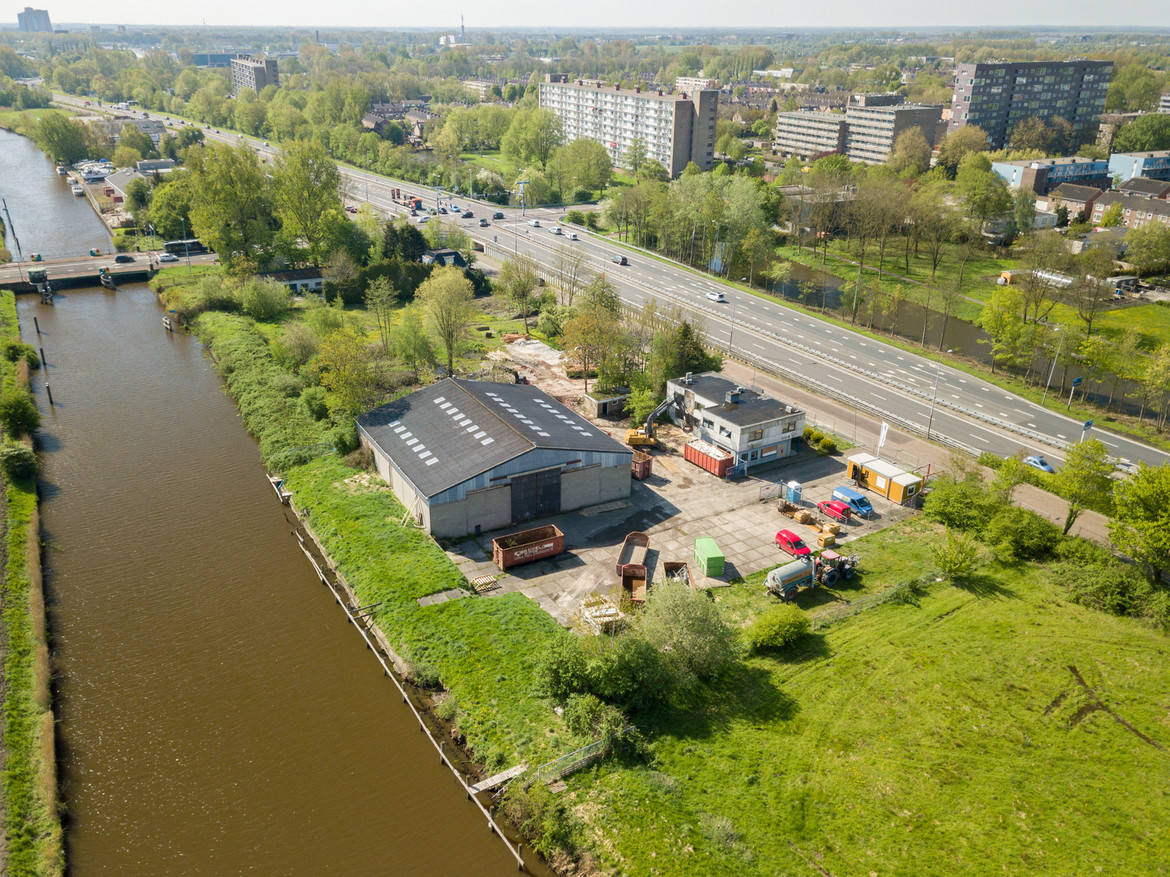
<point x="1077" y="381"/>
<point x="1088" y="423"/>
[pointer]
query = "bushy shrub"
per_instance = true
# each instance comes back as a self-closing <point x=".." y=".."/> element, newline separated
<point x="776" y="627"/>
<point x="1117" y="588"/>
<point x="1021" y="534"/>
<point x="576" y="217"/>
<point x="14" y="350"/>
<point x="345" y="436"/>
<point x="19" y="413"/>
<point x="541" y="816"/>
<point x="313" y="399"/>
<point x="18" y="461"/>
<point x="587" y="716"/>
<point x="561" y="672"/>
<point x="688" y="625"/>
<point x="629" y="672"/>
<point x="962" y="504"/>
<point x="289" y="385"/>
<point x="296" y="346"/>
<point x="323" y="319"/>
<point x="826" y="446"/>
<point x="264" y="300"/>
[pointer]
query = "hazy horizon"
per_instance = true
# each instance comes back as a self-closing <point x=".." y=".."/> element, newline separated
<point x="611" y="15"/>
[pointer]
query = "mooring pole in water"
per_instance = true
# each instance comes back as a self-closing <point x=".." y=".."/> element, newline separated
<point x="44" y="361"/>
<point x="443" y="752"/>
<point x="49" y="390"/>
<point x="519" y="857"/>
<point x="38" y="325"/>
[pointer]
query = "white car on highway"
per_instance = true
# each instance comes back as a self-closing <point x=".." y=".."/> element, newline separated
<point x="716" y="296"/>
<point x="554" y="229"/>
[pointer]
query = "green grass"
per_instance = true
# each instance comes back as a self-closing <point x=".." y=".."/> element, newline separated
<point x="491" y="160"/>
<point x="941" y="736"/>
<point x="32" y="827"/>
<point x="1151" y="320"/>
<point x="483" y="650"/>
<point x="14" y="120"/>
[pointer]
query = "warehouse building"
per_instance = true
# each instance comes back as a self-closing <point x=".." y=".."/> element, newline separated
<point x="469" y="456"/>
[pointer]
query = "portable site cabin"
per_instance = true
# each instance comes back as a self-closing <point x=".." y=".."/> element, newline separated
<point x="895" y="484"/>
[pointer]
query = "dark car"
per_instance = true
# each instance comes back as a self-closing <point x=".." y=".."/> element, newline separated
<point x="619" y="260"/>
<point x="467" y="214"/>
<point x="497" y="215"/>
<point x="483" y="223"/>
<point x="123" y="258"/>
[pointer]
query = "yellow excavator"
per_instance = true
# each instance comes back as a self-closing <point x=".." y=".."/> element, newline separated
<point x="644" y="435"/>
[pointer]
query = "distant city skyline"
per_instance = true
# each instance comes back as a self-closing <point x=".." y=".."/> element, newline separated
<point x="611" y="14"/>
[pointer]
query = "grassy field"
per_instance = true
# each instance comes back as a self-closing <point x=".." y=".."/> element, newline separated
<point x="32" y="827"/>
<point x="1151" y="320"/>
<point x="948" y="734"/>
<point x="14" y="119"/>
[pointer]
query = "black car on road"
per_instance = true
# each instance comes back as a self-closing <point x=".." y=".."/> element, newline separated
<point x="123" y="258"/>
<point x="619" y="260"/>
<point x="497" y="215"/>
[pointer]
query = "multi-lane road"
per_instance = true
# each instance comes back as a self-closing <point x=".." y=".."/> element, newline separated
<point x="858" y="371"/>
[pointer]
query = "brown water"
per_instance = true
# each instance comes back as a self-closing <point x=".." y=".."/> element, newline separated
<point x="217" y="713"/>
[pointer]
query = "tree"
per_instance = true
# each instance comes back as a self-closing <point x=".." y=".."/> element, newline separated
<point x="590" y="163"/>
<point x="1140" y="525"/>
<point x="588" y="337"/>
<point x="61" y="138"/>
<point x="1148" y="247"/>
<point x="449" y="300"/>
<point x="19" y="413"/>
<point x="958" y="145"/>
<point x="344" y="367"/>
<point x="231" y="208"/>
<point x="1085" y="476"/>
<point x="1111" y="218"/>
<point x="170" y="206"/>
<point x="1001" y="319"/>
<point x="1146" y="133"/>
<point x="688" y="628"/>
<point x="380" y="301"/>
<point x="1133" y="88"/>
<point x="308" y="197"/>
<point x="410" y="343"/>
<point x="911" y="153"/>
<point x="570" y="274"/>
<point x="983" y="191"/>
<point x="532" y="137"/>
<point x="600" y="293"/>
<point x="636" y="155"/>
<point x="138" y="199"/>
<point x="519" y="277"/>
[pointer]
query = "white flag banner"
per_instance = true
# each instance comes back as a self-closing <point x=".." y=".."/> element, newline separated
<point x="882" y="437"/>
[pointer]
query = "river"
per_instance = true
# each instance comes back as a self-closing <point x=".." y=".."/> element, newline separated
<point x="217" y="713"/>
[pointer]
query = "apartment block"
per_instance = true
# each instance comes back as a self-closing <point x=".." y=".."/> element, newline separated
<point x="808" y="135"/>
<point x="1152" y="165"/>
<point x="1136" y="210"/>
<point x="1164" y="103"/>
<point x="998" y="96"/>
<point x="248" y="73"/>
<point x="872" y="130"/>
<point x="34" y="21"/>
<point x="1042" y="175"/>
<point x="675" y="128"/>
<point x="695" y="84"/>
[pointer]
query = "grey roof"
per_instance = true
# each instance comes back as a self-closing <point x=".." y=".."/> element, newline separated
<point x="753" y="407"/>
<point x="1145" y="186"/>
<point x="1073" y="192"/>
<point x="453" y="430"/>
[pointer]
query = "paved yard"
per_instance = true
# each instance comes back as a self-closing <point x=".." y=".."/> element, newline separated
<point x="678" y="503"/>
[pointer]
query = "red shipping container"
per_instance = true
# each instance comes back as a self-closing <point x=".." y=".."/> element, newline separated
<point x="707" y="456"/>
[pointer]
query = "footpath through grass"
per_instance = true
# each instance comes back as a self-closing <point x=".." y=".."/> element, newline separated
<point x="967" y="730"/>
<point x="32" y="828"/>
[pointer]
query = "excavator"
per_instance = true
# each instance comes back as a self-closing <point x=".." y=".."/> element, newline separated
<point x="644" y="435"/>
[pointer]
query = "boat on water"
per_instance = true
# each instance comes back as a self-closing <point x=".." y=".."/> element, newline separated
<point x="94" y="176"/>
<point x="78" y="190"/>
<point x="62" y="169"/>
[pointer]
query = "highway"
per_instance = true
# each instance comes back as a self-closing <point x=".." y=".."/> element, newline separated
<point x="861" y="373"/>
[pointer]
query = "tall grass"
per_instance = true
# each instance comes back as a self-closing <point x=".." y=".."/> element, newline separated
<point x="32" y="829"/>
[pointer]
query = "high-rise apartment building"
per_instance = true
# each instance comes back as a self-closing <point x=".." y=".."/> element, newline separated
<point x="34" y="21"/>
<point x="808" y="135"/>
<point x="873" y="127"/>
<point x="999" y="96"/>
<point x="675" y="129"/>
<point x="247" y="72"/>
<point x="1164" y="102"/>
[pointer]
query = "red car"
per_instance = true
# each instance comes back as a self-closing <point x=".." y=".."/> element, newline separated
<point x="836" y="510"/>
<point x="788" y="541"/>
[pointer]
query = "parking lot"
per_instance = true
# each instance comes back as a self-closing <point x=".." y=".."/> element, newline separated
<point x="678" y="503"/>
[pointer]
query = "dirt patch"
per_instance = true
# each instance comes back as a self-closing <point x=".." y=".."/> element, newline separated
<point x="542" y="366"/>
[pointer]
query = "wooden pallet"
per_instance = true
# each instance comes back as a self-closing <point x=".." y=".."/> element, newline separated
<point x="485" y="583"/>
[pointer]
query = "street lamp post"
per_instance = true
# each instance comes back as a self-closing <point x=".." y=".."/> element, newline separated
<point x="186" y="246"/>
<point x="1048" y="382"/>
<point x="934" y="395"/>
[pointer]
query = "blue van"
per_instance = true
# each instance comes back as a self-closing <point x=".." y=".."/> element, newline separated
<point x="854" y="500"/>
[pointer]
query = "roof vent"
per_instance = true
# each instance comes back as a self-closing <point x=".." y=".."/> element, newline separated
<point x="731" y="397"/>
<point x="688" y="380"/>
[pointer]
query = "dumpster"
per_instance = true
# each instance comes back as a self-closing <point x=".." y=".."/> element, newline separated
<point x="678" y="571"/>
<point x="707" y="456"/>
<point x="527" y="546"/>
<point x="708" y="557"/>
<point x="633" y="552"/>
<point x="642" y="465"/>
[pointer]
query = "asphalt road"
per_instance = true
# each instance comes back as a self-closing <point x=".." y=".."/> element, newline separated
<point x="858" y="372"/>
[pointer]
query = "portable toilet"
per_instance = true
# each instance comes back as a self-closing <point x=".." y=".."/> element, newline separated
<point x="793" y="491"/>
<point x="708" y="557"/>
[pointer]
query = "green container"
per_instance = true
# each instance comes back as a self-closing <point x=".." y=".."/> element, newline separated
<point x="708" y="557"/>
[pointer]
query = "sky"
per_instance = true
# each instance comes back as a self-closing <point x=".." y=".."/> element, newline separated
<point x="609" y="14"/>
